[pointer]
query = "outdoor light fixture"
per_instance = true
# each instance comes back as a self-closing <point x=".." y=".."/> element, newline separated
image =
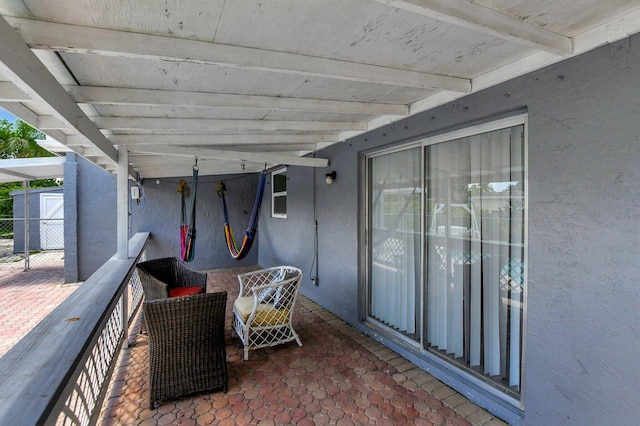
<point x="330" y="177"/>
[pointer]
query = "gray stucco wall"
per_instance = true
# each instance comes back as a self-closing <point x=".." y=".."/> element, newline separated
<point x="90" y="217"/>
<point x="160" y="213"/>
<point x="290" y="241"/>
<point x="583" y="320"/>
<point x="70" y="176"/>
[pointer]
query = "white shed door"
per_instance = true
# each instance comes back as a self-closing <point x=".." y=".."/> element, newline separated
<point x="51" y="221"/>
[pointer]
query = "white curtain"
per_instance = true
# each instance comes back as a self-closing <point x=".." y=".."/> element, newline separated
<point x="474" y="258"/>
<point x="470" y="194"/>
<point x="394" y="233"/>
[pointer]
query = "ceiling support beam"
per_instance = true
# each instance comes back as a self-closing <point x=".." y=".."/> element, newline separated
<point x="234" y="155"/>
<point x="272" y="147"/>
<point x="10" y="93"/>
<point x="18" y="62"/>
<point x="78" y="39"/>
<point x="197" y="124"/>
<point x="468" y="14"/>
<point x="207" y="167"/>
<point x="135" y="140"/>
<point x="24" y="113"/>
<point x="119" y="95"/>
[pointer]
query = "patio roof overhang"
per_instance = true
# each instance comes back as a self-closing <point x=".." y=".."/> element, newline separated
<point x="246" y="84"/>
<point x="15" y="170"/>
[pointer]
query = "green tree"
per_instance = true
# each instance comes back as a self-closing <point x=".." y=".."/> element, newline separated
<point x="18" y="140"/>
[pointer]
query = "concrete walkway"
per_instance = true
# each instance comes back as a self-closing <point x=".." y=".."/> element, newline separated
<point x="26" y="297"/>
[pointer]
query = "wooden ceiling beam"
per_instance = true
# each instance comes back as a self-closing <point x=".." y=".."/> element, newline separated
<point x="9" y="92"/>
<point x="119" y="95"/>
<point x="468" y="14"/>
<point x="25" y="70"/>
<point x="79" y="39"/>
<point x="153" y="123"/>
<point x="233" y="155"/>
<point x="208" y="139"/>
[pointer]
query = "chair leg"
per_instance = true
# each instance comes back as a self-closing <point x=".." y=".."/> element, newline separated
<point x="298" y="341"/>
<point x="246" y="353"/>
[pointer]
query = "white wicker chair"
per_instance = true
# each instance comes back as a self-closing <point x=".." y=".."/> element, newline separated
<point x="262" y="312"/>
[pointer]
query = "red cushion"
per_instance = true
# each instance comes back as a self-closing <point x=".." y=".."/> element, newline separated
<point x="185" y="291"/>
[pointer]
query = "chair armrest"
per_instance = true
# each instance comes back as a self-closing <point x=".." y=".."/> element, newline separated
<point x="187" y="277"/>
<point x="153" y="288"/>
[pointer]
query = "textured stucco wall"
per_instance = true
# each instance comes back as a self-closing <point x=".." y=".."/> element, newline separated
<point x="160" y="212"/>
<point x="93" y="203"/>
<point x="90" y="218"/>
<point x="291" y="240"/>
<point x="70" y="178"/>
<point x="583" y="321"/>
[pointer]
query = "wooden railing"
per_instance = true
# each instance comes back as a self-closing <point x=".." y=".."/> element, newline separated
<point x="59" y="372"/>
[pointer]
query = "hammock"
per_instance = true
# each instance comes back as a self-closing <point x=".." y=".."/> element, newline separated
<point x="188" y="230"/>
<point x="235" y="251"/>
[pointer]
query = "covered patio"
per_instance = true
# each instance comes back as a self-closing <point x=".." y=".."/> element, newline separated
<point x="339" y="376"/>
<point x="369" y="118"/>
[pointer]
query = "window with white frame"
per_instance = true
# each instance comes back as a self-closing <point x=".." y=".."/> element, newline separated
<point x="446" y="248"/>
<point x="279" y="193"/>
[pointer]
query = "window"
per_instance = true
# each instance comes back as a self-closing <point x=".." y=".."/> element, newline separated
<point x="279" y="193"/>
<point x="446" y="248"/>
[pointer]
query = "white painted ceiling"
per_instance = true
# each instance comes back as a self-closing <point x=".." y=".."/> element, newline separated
<point x="247" y="84"/>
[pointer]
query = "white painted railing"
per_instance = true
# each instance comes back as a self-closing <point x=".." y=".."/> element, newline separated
<point x="59" y="372"/>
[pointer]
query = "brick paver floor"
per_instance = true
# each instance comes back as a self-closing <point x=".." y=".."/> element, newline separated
<point x="26" y="297"/>
<point x="339" y="376"/>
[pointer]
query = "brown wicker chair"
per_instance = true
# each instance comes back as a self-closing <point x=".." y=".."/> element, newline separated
<point x="187" y="351"/>
<point x="162" y="277"/>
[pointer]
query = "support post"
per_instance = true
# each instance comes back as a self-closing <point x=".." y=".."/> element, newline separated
<point x="27" y="200"/>
<point x="123" y="203"/>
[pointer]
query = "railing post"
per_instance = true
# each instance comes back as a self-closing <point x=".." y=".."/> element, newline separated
<point x="125" y="316"/>
<point x="27" y="199"/>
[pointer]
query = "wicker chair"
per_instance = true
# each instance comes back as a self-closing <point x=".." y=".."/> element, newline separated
<point x="262" y="311"/>
<point x="187" y="351"/>
<point x="168" y="277"/>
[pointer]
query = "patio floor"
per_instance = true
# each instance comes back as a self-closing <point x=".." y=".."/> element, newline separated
<point x="28" y="296"/>
<point x="339" y="376"/>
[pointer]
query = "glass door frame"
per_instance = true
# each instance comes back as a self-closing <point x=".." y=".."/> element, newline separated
<point x="520" y="118"/>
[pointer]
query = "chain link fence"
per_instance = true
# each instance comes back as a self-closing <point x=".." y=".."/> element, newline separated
<point x="44" y="237"/>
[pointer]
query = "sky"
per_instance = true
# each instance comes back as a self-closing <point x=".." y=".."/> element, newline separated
<point x="4" y="115"/>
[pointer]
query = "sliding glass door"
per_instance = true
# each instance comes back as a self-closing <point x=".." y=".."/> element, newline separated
<point x="475" y="252"/>
<point x="394" y="240"/>
<point x="446" y="243"/>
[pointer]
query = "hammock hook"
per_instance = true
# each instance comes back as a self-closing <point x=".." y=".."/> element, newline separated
<point x="222" y="188"/>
